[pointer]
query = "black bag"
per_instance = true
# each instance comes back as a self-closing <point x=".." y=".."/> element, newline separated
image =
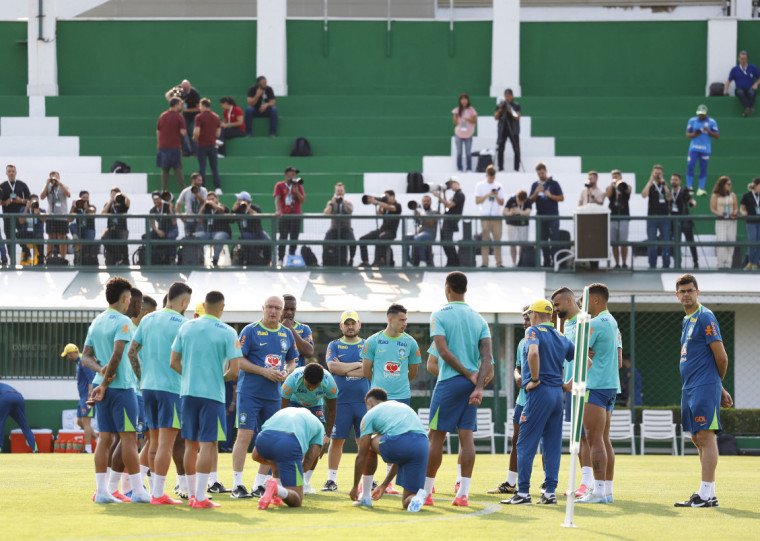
<point x="484" y="160"/>
<point x="716" y="89"/>
<point x="466" y="253"/>
<point x="308" y="257"/>
<point x="415" y="183"/>
<point x="191" y="255"/>
<point x="138" y="257"/>
<point x="331" y="256"/>
<point x="56" y="261"/>
<point x="727" y="444"/>
<point x="300" y="147"/>
<point x="89" y="255"/>
<point x="120" y="167"/>
<point x="527" y="257"/>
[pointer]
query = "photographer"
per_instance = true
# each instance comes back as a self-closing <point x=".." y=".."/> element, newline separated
<point x="682" y="200"/>
<point x="660" y="199"/>
<point x="340" y="228"/>
<point x="83" y="228"/>
<point x="13" y="197"/>
<point x="546" y="194"/>
<point x="32" y="228"/>
<point x="118" y="204"/>
<point x="190" y="100"/>
<point x="57" y="195"/>
<point x="508" y="114"/>
<point x="426" y="230"/>
<point x="490" y="196"/>
<point x="386" y="206"/>
<point x="454" y="207"/>
<point x="190" y="201"/>
<point x="215" y="229"/>
<point x="288" y="197"/>
<point x="591" y="194"/>
<point x="163" y="228"/>
<point x="619" y="193"/>
<point x="517" y="228"/>
<point x="250" y="228"/>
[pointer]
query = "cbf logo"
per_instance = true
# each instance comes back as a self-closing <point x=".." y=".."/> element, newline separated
<point x="243" y="417"/>
<point x="392" y="369"/>
<point x="284" y="344"/>
<point x="401" y="353"/>
<point x="272" y="361"/>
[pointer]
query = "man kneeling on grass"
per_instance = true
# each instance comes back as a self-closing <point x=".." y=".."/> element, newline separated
<point x="289" y="443"/>
<point x="394" y="431"/>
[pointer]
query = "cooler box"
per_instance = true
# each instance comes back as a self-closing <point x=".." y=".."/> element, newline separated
<point x="43" y="436"/>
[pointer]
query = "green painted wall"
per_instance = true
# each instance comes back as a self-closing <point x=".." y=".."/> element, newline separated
<point x="13" y="58"/>
<point x="148" y="57"/>
<point x="362" y="57"/>
<point x="748" y="39"/>
<point x="624" y="59"/>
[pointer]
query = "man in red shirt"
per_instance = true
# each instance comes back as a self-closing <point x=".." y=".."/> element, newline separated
<point x="232" y="122"/>
<point x="170" y="128"/>
<point x="288" y="196"/>
<point x="207" y="130"/>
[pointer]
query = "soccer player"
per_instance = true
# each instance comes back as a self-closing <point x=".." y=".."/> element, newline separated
<point x="344" y="361"/>
<point x="602" y="386"/>
<point x="136" y="314"/>
<point x="463" y="341"/>
<point x="566" y="307"/>
<point x="703" y="366"/>
<point x="160" y="384"/>
<point x="271" y="351"/>
<point x="84" y="387"/>
<point x="390" y="360"/>
<point x="289" y="440"/>
<point x="301" y="332"/>
<point x="541" y="418"/>
<point x="392" y="430"/>
<point x="105" y="352"/>
<point x="12" y="403"/>
<point x="309" y="387"/>
<point x="206" y="353"/>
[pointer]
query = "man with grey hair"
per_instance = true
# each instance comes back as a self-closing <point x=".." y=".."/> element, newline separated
<point x="747" y="78"/>
<point x="191" y="100"/>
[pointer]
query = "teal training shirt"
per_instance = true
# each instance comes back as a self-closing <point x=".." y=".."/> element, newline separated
<point x="569" y="330"/>
<point x="106" y="329"/>
<point x="604" y="339"/>
<point x="391" y="358"/>
<point x="300" y="422"/>
<point x="521" y="398"/>
<point x="294" y="389"/>
<point x="391" y="418"/>
<point x="206" y="344"/>
<point x="155" y="334"/>
<point x="463" y="329"/>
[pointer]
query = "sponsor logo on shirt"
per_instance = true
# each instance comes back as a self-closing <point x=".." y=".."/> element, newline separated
<point x="381" y="341"/>
<point x="272" y="361"/>
<point x="392" y="369"/>
<point x="262" y="333"/>
<point x="700" y="419"/>
<point x="523" y="419"/>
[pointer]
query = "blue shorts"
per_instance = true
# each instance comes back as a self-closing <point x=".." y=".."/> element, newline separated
<point x="83" y="410"/>
<point x="348" y="415"/>
<point x="162" y="409"/>
<point x="117" y="412"/>
<point x="252" y="412"/>
<point x="450" y="409"/>
<point x="407" y="401"/>
<point x="604" y="398"/>
<point x="203" y="419"/>
<point x="518" y="413"/>
<point x="410" y="452"/>
<point x="141" y="426"/>
<point x="316" y="410"/>
<point x="700" y="408"/>
<point x="283" y="449"/>
<point x="167" y="158"/>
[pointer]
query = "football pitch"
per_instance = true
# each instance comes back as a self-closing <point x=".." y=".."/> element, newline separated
<point x="47" y="496"/>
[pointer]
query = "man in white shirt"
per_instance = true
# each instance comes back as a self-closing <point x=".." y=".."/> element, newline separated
<point x="490" y="197"/>
<point x="591" y="194"/>
<point x="190" y="201"/>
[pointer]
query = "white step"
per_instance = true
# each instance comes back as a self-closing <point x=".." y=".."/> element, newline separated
<point x="529" y="146"/>
<point x="36" y="168"/>
<point x="28" y="126"/>
<point x="132" y="184"/>
<point x="487" y="126"/>
<point x="556" y="165"/>
<point x="35" y="145"/>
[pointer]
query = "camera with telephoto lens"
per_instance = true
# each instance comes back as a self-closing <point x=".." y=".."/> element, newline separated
<point x="588" y="184"/>
<point x="52" y="181"/>
<point x="35" y="205"/>
<point x="167" y="196"/>
<point x="412" y="205"/>
<point x="79" y="205"/>
<point x="622" y="187"/>
<point x="298" y="180"/>
<point x="194" y="189"/>
<point x="365" y="199"/>
<point x="242" y="208"/>
<point x="120" y="204"/>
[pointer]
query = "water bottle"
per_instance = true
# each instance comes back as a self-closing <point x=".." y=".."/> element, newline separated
<point x="726" y="211"/>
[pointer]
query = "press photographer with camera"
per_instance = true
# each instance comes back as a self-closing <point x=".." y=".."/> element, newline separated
<point x="591" y="194"/>
<point x="189" y="203"/>
<point x="619" y="193"/>
<point x="546" y="194"/>
<point x="490" y="196"/>
<point x="83" y="228"/>
<point x="250" y="228"/>
<point x="340" y="229"/>
<point x="14" y="194"/>
<point x="508" y="114"/>
<point x="660" y="199"/>
<point x="288" y="197"/>
<point x="163" y="228"/>
<point x="517" y="228"/>
<point x="57" y="195"/>
<point x="190" y="99"/>
<point x="386" y="206"/>
<point x="117" y="205"/>
<point x="426" y="231"/>
<point x="682" y="200"/>
<point x="215" y="229"/>
<point x="32" y="227"/>
<point x="454" y="207"/>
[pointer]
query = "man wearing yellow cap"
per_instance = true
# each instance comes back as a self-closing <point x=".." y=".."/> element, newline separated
<point x="543" y="357"/>
<point x="84" y="387"/>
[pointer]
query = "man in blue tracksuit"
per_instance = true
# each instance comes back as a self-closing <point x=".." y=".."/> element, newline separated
<point x="545" y="352"/>
<point x="12" y="403"/>
<point x="701" y="130"/>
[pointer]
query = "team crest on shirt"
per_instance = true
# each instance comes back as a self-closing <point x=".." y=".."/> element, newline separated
<point x="284" y="344"/>
<point x="392" y="369"/>
<point x="272" y="361"/>
<point x="243" y="417"/>
<point x="401" y="353"/>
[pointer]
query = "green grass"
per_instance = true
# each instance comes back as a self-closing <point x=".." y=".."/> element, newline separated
<point x="48" y="497"/>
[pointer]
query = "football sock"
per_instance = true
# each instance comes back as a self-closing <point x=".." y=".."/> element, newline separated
<point x="101" y="482"/>
<point x="237" y="479"/>
<point x="260" y="481"/>
<point x="190" y="485"/>
<point x="608" y="487"/>
<point x="126" y="484"/>
<point x="307" y="476"/>
<point x="137" y="487"/>
<point x="459" y="473"/>
<point x="599" y="488"/>
<point x="113" y="481"/>
<point x="712" y="490"/>
<point x="332" y="475"/>
<point x="464" y="487"/>
<point x="367" y="486"/>
<point x="182" y="481"/>
<point x="511" y="477"/>
<point x="523" y="494"/>
<point x="159" y="485"/>
<point x="212" y="478"/>
<point x="88" y="448"/>
<point x="705" y="490"/>
<point x="429" y="484"/>
<point x="587" y="476"/>
<point x="200" y="487"/>
<point x="282" y="492"/>
<point x="143" y="474"/>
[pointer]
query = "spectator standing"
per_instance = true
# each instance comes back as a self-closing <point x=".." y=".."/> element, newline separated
<point x="465" y="118"/>
<point x="591" y="194"/>
<point x="14" y="194"/>
<point x="232" y="122"/>
<point x="747" y="78"/>
<point x="170" y="129"/>
<point x="490" y="197"/>
<point x="83" y="228"/>
<point x="619" y="194"/>
<point x="217" y="230"/>
<point x="427" y="228"/>
<point x="250" y="228"/>
<point x="206" y="132"/>
<point x="701" y="129"/>
<point x="386" y="206"/>
<point x="32" y="228"/>
<point x="660" y="199"/>
<point x="261" y="103"/>
<point x="163" y="228"/>
<point x="288" y="197"/>
<point x="723" y="205"/>
<point x="190" y="108"/>
<point x="454" y="207"/>
<point x="189" y="203"/>
<point x="750" y="207"/>
<point x="340" y="228"/>
<point x="682" y="200"/>
<point x="508" y="114"/>
<point x="57" y="195"/>
<point x="546" y="193"/>
<point x="625" y="383"/>
<point x="517" y="228"/>
<point x="117" y="229"/>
